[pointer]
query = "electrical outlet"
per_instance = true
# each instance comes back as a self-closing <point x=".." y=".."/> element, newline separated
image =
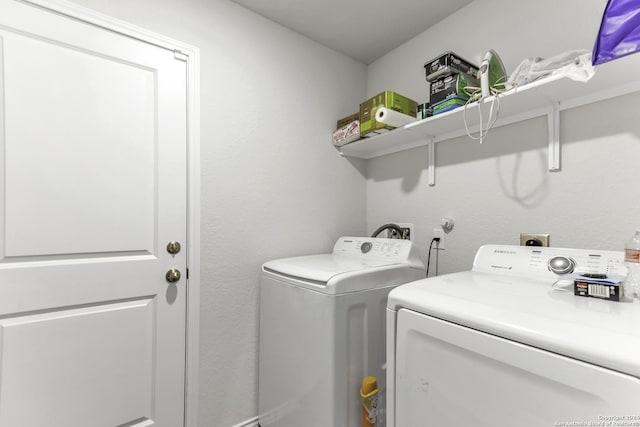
<point x="407" y="231"/>
<point x="439" y="232"/>
<point x="531" y="239"/>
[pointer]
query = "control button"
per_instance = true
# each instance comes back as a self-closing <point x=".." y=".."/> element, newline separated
<point x="561" y="265"/>
<point x="366" y="247"/>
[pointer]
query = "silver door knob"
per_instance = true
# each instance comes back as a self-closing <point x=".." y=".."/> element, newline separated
<point x="173" y="275"/>
<point x="173" y="247"/>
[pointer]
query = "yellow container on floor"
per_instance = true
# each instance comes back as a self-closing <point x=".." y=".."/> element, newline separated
<point x="369" y="396"/>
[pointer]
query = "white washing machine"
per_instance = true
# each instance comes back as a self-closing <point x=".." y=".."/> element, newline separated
<point x="498" y="346"/>
<point x="322" y="329"/>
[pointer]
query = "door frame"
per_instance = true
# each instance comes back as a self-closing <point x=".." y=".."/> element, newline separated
<point x="191" y="55"/>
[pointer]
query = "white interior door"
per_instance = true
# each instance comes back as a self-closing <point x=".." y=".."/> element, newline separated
<point x="92" y="188"/>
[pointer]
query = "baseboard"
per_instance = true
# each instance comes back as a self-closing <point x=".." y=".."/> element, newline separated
<point x="253" y="422"/>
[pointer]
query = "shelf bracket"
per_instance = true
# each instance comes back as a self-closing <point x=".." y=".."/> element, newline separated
<point x="432" y="161"/>
<point x="553" y="128"/>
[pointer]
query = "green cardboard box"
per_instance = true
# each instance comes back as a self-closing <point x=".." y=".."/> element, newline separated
<point x="368" y="124"/>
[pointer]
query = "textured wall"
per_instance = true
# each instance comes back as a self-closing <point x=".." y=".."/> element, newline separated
<point x="272" y="184"/>
<point x="501" y="188"/>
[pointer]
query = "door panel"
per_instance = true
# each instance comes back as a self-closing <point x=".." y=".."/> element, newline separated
<point x="101" y="355"/>
<point x="90" y="165"/>
<point x="92" y="188"/>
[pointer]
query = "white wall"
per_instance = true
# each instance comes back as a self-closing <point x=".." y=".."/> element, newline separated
<point x="272" y="184"/>
<point x="502" y="188"/>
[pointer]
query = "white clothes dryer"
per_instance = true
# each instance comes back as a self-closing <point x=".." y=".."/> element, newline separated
<point x="498" y="346"/>
<point x="322" y="329"/>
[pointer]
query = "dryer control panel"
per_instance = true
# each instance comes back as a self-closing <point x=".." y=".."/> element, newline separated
<point x="537" y="261"/>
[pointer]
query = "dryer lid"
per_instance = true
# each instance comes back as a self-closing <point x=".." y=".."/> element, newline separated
<point x="510" y="295"/>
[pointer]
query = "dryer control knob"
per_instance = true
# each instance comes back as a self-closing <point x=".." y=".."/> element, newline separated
<point x="366" y="247"/>
<point x="561" y="265"/>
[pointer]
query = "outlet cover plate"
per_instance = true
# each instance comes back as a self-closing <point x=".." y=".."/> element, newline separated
<point x="543" y="238"/>
<point x="439" y="232"/>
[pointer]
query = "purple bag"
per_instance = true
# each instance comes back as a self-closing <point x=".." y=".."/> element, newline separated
<point x="619" y="33"/>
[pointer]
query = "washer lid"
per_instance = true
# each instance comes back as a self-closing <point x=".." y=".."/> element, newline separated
<point x="354" y="255"/>
<point x="530" y="311"/>
<point x="321" y="268"/>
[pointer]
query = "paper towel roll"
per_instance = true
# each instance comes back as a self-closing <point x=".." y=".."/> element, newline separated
<point x="393" y="118"/>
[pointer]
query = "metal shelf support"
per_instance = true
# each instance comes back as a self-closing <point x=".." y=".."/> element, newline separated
<point x="553" y="128"/>
<point x="432" y="161"/>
